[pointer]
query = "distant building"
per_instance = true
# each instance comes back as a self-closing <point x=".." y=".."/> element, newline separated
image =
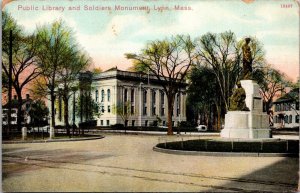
<point x="142" y="94"/>
<point x="286" y="110"/>
<point x="26" y="106"/>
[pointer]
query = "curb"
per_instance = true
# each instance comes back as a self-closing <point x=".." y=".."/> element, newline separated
<point x="223" y="154"/>
<point x="157" y="133"/>
<point x="53" y="140"/>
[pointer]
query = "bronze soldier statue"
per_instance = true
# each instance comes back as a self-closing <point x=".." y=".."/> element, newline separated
<point x="247" y="60"/>
<point x="237" y="100"/>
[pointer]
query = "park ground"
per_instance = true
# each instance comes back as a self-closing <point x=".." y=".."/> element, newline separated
<point x="127" y="163"/>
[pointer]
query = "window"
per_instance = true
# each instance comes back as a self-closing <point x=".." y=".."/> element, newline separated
<point x="145" y="103"/>
<point x="97" y="95"/>
<point x="297" y="106"/>
<point x="132" y="123"/>
<point x="132" y="110"/>
<point x="126" y="123"/>
<point x="108" y="108"/>
<point x="132" y="95"/>
<point x="27" y="107"/>
<point x="153" y="97"/>
<point x="162" y="111"/>
<point x="102" y="109"/>
<point x="178" y="104"/>
<point x="125" y="109"/>
<point x="290" y="118"/>
<point x="60" y="108"/>
<point x="146" y="123"/>
<point x="297" y="118"/>
<point x="108" y="95"/>
<point x="125" y="95"/>
<point x="162" y="103"/>
<point x="101" y="122"/>
<point x="153" y="102"/>
<point x="102" y="95"/>
<point x="276" y="119"/>
<point x="97" y="109"/>
<point x="286" y="119"/>
<point x="164" y="123"/>
<point x="153" y="110"/>
<point x="145" y="97"/>
<point x="277" y="107"/>
<point x="107" y="122"/>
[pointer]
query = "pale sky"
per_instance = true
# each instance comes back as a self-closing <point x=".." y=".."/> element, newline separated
<point x="107" y="35"/>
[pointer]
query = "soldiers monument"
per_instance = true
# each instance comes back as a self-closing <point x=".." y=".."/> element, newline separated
<point x="245" y="118"/>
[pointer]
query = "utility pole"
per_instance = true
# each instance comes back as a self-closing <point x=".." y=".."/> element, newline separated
<point x="9" y="84"/>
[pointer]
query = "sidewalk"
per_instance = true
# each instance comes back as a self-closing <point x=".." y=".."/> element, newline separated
<point x="160" y="132"/>
<point x="164" y="133"/>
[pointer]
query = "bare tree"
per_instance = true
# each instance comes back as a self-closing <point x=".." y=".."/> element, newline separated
<point x="223" y="54"/>
<point x="273" y="83"/>
<point x="24" y="57"/>
<point x="123" y="110"/>
<point x="169" y="60"/>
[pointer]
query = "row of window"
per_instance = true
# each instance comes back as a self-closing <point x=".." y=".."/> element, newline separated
<point x="102" y="95"/>
<point x="287" y="119"/>
<point x="131" y="95"/>
<point x="285" y="107"/>
<point x="146" y="123"/>
<point x="102" y="109"/>
<point x="102" y="123"/>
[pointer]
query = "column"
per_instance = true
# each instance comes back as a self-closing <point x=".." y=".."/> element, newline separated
<point x="140" y="106"/>
<point x="148" y="102"/>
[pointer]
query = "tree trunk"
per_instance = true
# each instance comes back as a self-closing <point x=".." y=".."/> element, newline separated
<point x="19" y="113"/>
<point x="52" y="109"/>
<point x="66" y="115"/>
<point x="170" y="110"/>
<point x="9" y="85"/>
<point x="86" y="107"/>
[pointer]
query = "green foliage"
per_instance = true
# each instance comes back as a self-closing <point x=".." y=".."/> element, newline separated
<point x="202" y="95"/>
<point x="62" y="59"/>
<point x="87" y="107"/>
<point x="97" y="70"/>
<point x="38" y="112"/>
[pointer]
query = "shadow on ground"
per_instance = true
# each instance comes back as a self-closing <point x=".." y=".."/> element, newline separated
<point x="15" y="163"/>
<point x="284" y="176"/>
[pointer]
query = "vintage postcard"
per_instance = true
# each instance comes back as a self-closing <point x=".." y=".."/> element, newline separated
<point x="150" y="96"/>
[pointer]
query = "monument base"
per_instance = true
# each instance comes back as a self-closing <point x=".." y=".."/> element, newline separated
<point x="246" y="125"/>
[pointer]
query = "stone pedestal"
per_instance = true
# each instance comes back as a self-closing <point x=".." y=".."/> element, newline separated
<point x="24" y="133"/>
<point x="52" y="134"/>
<point x="248" y="124"/>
